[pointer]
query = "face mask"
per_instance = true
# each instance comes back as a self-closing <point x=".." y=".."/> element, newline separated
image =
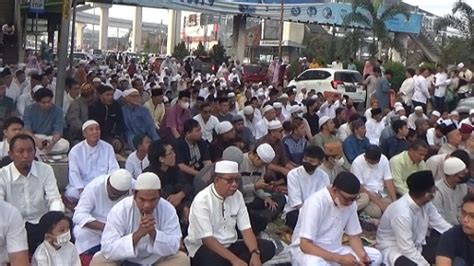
<point x="185" y="105"/>
<point x="309" y="168"/>
<point x="63" y="239"/>
<point x="340" y="161"/>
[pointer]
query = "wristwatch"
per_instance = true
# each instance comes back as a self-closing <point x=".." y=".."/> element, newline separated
<point x="256" y="251"/>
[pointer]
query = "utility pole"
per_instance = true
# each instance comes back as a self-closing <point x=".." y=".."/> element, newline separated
<point x="73" y="33"/>
<point x="62" y="53"/>
<point x="280" y="52"/>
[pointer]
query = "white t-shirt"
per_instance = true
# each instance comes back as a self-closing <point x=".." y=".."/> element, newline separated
<point x="372" y="177"/>
<point x="134" y="165"/>
<point x="47" y="255"/>
<point x="12" y="232"/>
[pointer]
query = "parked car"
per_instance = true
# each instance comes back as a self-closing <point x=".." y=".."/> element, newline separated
<point x="98" y="56"/>
<point x="254" y="73"/>
<point x="465" y="105"/>
<point x="331" y="81"/>
<point x="79" y="56"/>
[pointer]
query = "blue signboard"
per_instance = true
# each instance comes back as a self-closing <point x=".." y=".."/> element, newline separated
<point x="307" y="11"/>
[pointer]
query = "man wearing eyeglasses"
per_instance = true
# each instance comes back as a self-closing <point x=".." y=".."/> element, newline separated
<point x="325" y="216"/>
<point x="401" y="235"/>
<point x="215" y="213"/>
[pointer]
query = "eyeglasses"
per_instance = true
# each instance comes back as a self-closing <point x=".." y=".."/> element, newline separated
<point x="230" y="180"/>
<point x="349" y="198"/>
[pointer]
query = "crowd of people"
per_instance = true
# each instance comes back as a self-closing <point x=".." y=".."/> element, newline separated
<point x="209" y="161"/>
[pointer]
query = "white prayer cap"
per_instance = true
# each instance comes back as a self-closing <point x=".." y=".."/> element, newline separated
<point x="36" y="88"/>
<point x="295" y="109"/>
<point x="454" y="113"/>
<point x="453" y="166"/>
<point x="266" y="153"/>
<point x="223" y="127"/>
<point x="248" y="110"/>
<point x="418" y="108"/>
<point x="397" y="104"/>
<point x="230" y="95"/>
<point x="96" y="80"/>
<point x="89" y="123"/>
<point x="284" y="96"/>
<point x="130" y="91"/>
<point x="267" y="108"/>
<point x="404" y="118"/>
<point x="274" y="124"/>
<point x="323" y="120"/>
<point x="227" y="167"/>
<point x="399" y="108"/>
<point x="471" y="111"/>
<point x="436" y="113"/>
<point x="277" y="105"/>
<point x="121" y="179"/>
<point x="147" y="181"/>
<point x="460" y="65"/>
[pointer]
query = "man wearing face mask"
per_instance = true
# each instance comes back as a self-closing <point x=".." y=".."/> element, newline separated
<point x="142" y="229"/>
<point x="173" y="122"/>
<point x="404" y="225"/>
<point x="373" y="171"/>
<point x="451" y="190"/>
<point x="304" y="181"/>
<point x="97" y="199"/>
<point x="325" y="217"/>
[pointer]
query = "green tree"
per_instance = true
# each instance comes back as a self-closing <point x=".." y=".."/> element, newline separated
<point x="462" y="20"/>
<point x="373" y="16"/>
<point x="180" y="51"/>
<point x="200" y="51"/>
<point x="218" y="53"/>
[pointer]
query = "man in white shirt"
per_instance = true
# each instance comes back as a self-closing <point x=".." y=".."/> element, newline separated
<point x="373" y="171"/>
<point x="207" y="121"/>
<point x="137" y="161"/>
<point x="13" y="243"/>
<point x="11" y="127"/>
<point x="337" y="64"/>
<point x="415" y="116"/>
<point x="89" y="159"/>
<point x="142" y="229"/>
<point x="408" y="88"/>
<point x="269" y="114"/>
<point x="250" y="120"/>
<point x="215" y="213"/>
<point x="422" y="93"/>
<point x="324" y="218"/>
<point x="96" y="201"/>
<point x="404" y="225"/>
<point x="13" y="91"/>
<point x="440" y="88"/>
<point x="374" y="126"/>
<point x="73" y="90"/>
<point x="303" y="181"/>
<point x="451" y="190"/>
<point x="30" y="186"/>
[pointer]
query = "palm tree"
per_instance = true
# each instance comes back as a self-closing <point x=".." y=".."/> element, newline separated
<point x="461" y="19"/>
<point x="373" y="15"/>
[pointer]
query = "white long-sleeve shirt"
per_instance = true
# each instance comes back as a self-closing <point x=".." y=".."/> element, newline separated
<point x="87" y="163"/>
<point x="47" y="255"/>
<point x="13" y="91"/>
<point x="124" y="219"/>
<point x="421" y="94"/>
<point x="136" y="166"/>
<point x="23" y="101"/>
<point x="374" y="130"/>
<point x="403" y="227"/>
<point x="441" y="84"/>
<point x="12" y="236"/>
<point x="407" y="89"/>
<point x="94" y="205"/>
<point x="261" y="128"/>
<point x="33" y="195"/>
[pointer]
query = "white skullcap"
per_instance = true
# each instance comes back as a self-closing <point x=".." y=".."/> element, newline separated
<point x="227" y="167"/>
<point x="36" y="88"/>
<point x="248" y="110"/>
<point x="418" y="108"/>
<point x="121" y="179"/>
<point x="266" y="153"/>
<point x="224" y="127"/>
<point x="295" y="109"/>
<point x="89" y="123"/>
<point x="130" y="91"/>
<point x="399" y="108"/>
<point x="471" y="111"/>
<point x="284" y="96"/>
<point x="404" y="118"/>
<point x="267" y="108"/>
<point x="460" y="65"/>
<point x="454" y="113"/>
<point x="397" y="104"/>
<point x="323" y="120"/>
<point x="230" y="95"/>
<point x="436" y="113"/>
<point x="147" y="181"/>
<point x="96" y="80"/>
<point x="453" y="166"/>
<point x="274" y="124"/>
<point x="277" y="105"/>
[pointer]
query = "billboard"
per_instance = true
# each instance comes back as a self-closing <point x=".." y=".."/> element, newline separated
<point x="307" y="11"/>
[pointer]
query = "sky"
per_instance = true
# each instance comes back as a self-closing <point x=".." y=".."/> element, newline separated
<point x="437" y="7"/>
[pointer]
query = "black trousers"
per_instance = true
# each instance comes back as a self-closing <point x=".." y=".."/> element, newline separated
<point x="33" y="233"/>
<point x="428" y="251"/>
<point x="292" y="219"/>
<point x="206" y="257"/>
<point x="260" y="215"/>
